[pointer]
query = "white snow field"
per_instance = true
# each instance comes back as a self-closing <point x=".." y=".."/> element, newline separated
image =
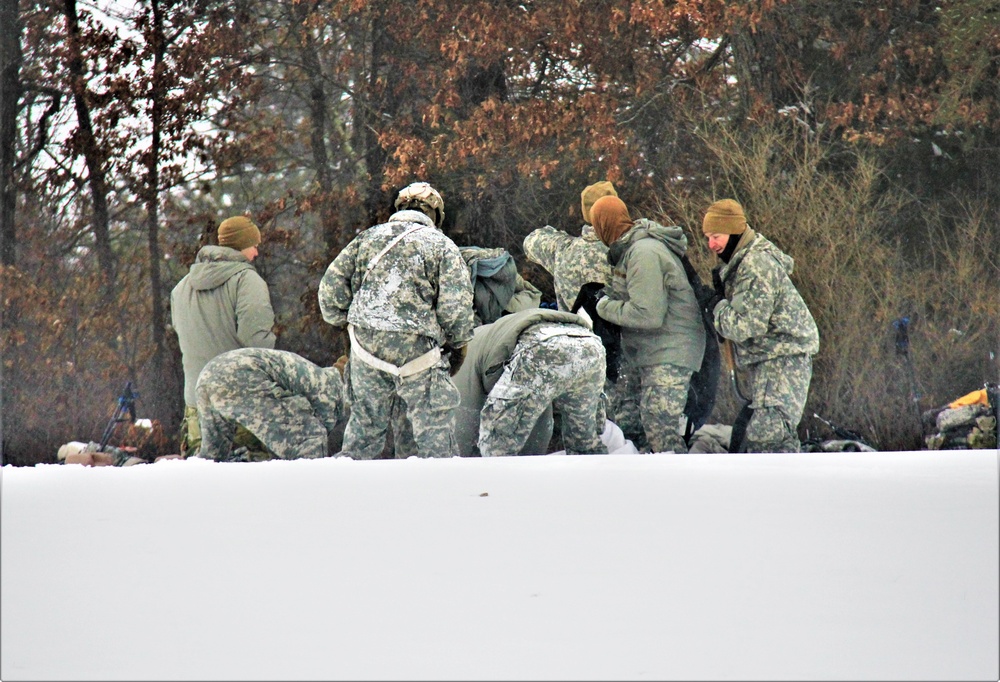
<point x="824" y="566"/>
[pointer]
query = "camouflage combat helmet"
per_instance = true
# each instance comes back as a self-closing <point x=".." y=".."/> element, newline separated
<point x="422" y="197"/>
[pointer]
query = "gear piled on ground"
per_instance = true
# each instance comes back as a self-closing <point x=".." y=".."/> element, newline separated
<point x="962" y="424"/>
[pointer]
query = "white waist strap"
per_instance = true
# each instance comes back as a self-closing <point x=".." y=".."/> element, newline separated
<point x="414" y="366"/>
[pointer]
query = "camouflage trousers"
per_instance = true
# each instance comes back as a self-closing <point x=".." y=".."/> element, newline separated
<point x="258" y="404"/>
<point x="779" y="390"/>
<point x="190" y="436"/>
<point x="428" y="401"/>
<point x="565" y="372"/>
<point x="651" y="406"/>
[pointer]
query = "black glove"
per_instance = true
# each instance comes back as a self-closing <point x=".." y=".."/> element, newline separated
<point x="708" y="298"/>
<point x="720" y="288"/>
<point x="456" y="356"/>
<point x="609" y="332"/>
<point x="590" y="294"/>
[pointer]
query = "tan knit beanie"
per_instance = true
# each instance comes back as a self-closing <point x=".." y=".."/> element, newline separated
<point x="592" y="193"/>
<point x="238" y="233"/>
<point x="724" y="217"/>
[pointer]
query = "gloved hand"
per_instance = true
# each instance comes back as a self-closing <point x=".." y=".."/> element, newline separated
<point x="720" y="288"/>
<point x="456" y="356"/>
<point x="590" y="294"/>
<point x="708" y="298"/>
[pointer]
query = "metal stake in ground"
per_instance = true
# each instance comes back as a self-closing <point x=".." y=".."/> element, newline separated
<point x="903" y="349"/>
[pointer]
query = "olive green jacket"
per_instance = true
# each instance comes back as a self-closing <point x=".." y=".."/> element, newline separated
<point x="221" y="304"/>
<point x="652" y="299"/>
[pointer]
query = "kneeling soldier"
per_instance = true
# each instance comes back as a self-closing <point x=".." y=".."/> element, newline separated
<point x="520" y="367"/>
<point x="286" y="401"/>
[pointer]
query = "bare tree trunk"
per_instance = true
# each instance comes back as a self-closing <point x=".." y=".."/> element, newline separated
<point x="92" y="153"/>
<point x="318" y="114"/>
<point x="368" y="109"/>
<point x="152" y="200"/>
<point x="10" y="96"/>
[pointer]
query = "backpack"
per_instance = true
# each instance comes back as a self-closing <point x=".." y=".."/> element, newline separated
<point x="705" y="381"/>
<point x="494" y="278"/>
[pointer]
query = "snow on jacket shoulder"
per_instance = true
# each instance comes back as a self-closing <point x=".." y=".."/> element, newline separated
<point x="221" y="304"/>
<point x="764" y="314"/>
<point x="419" y="286"/>
<point x="652" y="299"/>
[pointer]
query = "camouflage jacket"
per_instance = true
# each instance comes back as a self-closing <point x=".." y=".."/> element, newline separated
<point x="256" y="377"/>
<point x="485" y="361"/>
<point x="763" y="313"/>
<point x="222" y="304"/>
<point x="420" y="286"/>
<point x="652" y="299"/>
<point x="572" y="261"/>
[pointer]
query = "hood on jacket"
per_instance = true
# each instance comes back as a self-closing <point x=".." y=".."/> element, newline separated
<point x="215" y="265"/>
<point x="671" y="236"/>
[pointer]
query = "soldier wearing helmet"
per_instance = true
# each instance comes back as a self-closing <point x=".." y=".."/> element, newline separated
<point x="420" y="196"/>
<point x="402" y="289"/>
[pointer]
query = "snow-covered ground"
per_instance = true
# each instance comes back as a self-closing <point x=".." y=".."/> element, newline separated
<point x="845" y="566"/>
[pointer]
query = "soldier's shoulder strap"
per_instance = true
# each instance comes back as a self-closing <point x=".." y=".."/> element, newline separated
<point x="395" y="240"/>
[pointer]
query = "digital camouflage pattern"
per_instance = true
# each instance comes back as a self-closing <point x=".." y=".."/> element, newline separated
<point x="651" y="412"/>
<point x="572" y="261"/>
<point x="779" y="390"/>
<point x="557" y="365"/>
<point x="420" y="286"/>
<point x="288" y="402"/>
<point x="427" y="401"/>
<point x="774" y="337"/>
<point x="417" y="297"/>
<point x="763" y="313"/>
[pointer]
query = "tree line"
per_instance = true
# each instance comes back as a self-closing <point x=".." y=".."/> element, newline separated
<point x="861" y="138"/>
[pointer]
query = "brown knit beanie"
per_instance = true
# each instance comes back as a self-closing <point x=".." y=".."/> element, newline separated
<point x="611" y="219"/>
<point x="592" y="193"/>
<point x="238" y="233"/>
<point x="724" y="217"/>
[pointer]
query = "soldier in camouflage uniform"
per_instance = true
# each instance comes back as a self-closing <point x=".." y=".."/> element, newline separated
<point x="498" y="289"/>
<point x="758" y="309"/>
<point x="290" y="404"/>
<point x="572" y="261"/>
<point x="662" y="333"/>
<point x="517" y="371"/>
<point x="403" y="291"/>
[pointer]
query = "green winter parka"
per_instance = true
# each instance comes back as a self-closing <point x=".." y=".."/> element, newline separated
<point x="221" y="304"/>
<point x="652" y="299"/>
